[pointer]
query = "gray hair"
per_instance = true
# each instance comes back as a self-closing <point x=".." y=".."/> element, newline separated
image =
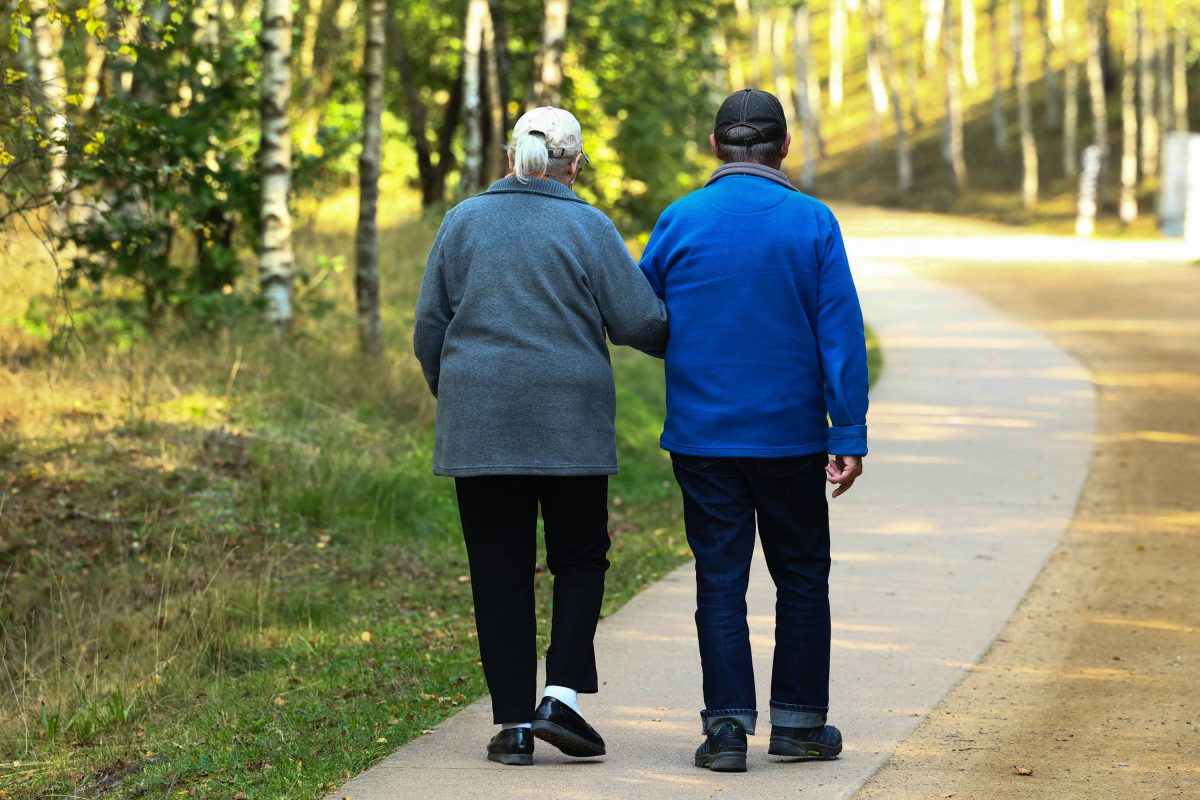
<point x="531" y="157"/>
<point x="768" y="153"/>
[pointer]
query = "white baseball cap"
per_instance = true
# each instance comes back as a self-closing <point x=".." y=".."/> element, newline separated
<point x="560" y="129"/>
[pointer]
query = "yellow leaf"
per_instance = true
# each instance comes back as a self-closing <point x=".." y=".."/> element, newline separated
<point x="365" y="636"/>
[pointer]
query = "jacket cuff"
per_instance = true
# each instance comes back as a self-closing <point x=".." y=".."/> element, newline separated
<point x="848" y="440"/>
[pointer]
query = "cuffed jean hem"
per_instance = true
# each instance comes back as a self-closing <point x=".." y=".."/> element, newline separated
<point x="711" y="721"/>
<point x="791" y="716"/>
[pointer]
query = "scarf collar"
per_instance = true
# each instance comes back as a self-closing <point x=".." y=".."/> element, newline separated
<point x="750" y="168"/>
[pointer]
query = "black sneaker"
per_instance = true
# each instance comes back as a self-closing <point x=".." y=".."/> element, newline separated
<point x="513" y="747"/>
<point x="724" y="750"/>
<point x="821" y="743"/>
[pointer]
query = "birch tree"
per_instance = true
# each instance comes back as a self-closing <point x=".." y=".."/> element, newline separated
<point x="837" y="52"/>
<point x="547" y="85"/>
<point x="472" y="171"/>
<point x="276" y="264"/>
<point x="879" y="98"/>
<point x="1129" y="119"/>
<point x="934" y="26"/>
<point x="51" y="89"/>
<point x="877" y="14"/>
<point x="1147" y="92"/>
<point x="999" y="121"/>
<point x="1029" y="156"/>
<point x="1095" y="77"/>
<point x="970" y="73"/>
<point x="1070" y="143"/>
<point x="1162" y="68"/>
<point x="954" y="112"/>
<point x="808" y="102"/>
<point x="1179" y="86"/>
<point x="366" y="239"/>
<point x="1049" y="73"/>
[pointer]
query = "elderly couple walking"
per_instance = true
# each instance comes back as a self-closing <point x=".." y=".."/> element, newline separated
<point x="745" y="290"/>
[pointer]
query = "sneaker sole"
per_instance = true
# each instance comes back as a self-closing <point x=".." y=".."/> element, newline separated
<point x="511" y="759"/>
<point x="569" y="743"/>
<point x="723" y="762"/>
<point x="805" y="751"/>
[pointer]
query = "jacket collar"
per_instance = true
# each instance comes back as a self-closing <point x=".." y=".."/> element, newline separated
<point x="543" y="186"/>
<point x="750" y="168"/>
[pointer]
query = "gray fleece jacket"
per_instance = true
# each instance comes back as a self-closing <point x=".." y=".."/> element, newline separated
<point x="520" y="287"/>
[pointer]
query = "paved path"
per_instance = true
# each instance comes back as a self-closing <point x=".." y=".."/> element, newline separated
<point x="980" y="443"/>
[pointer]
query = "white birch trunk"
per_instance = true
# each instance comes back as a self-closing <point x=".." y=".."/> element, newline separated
<point x="1129" y="119"/>
<point x="1147" y="94"/>
<point x="934" y="26"/>
<point x="276" y="266"/>
<point x="999" y="121"/>
<point x="1053" y="96"/>
<point x="911" y="48"/>
<point x="366" y="239"/>
<point x="1095" y="78"/>
<point x="1179" y="87"/>
<point x="783" y="82"/>
<point x="1029" y="156"/>
<point x="802" y="58"/>
<point x="954" y="112"/>
<point x="52" y="104"/>
<point x="1070" y="137"/>
<point x="970" y="73"/>
<point x="837" y="52"/>
<point x="472" y="172"/>
<point x="547" y="89"/>
<point x="1162" y="66"/>
<point x="878" y="21"/>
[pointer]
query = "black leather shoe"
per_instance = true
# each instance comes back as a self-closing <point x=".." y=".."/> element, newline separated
<point x="821" y="743"/>
<point x="513" y="747"/>
<point x="559" y="724"/>
<point x="724" y="750"/>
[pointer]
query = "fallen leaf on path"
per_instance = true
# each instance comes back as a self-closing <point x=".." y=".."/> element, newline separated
<point x="1022" y="770"/>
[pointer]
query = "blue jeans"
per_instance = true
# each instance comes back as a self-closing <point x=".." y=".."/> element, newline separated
<point x="722" y="497"/>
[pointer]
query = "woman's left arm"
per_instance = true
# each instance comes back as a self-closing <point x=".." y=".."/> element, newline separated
<point x="633" y="314"/>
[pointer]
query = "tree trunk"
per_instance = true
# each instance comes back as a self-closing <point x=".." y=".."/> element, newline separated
<point x="954" y="112"/>
<point x="52" y="108"/>
<point x="879" y="99"/>
<point x="802" y="58"/>
<point x="1029" y="156"/>
<point x="935" y="11"/>
<point x="1162" y="65"/>
<point x="1070" y="141"/>
<point x="547" y="85"/>
<point x="1147" y="92"/>
<point x="495" y="162"/>
<point x="779" y="47"/>
<point x="472" y="171"/>
<point x="1095" y="78"/>
<point x="1053" y="96"/>
<point x="499" y="21"/>
<point x="878" y="20"/>
<point x="276" y="260"/>
<point x="1179" y="86"/>
<point x="1129" y="119"/>
<point x="366" y="238"/>
<point x="912" y="47"/>
<point x="999" y="122"/>
<point x="453" y="114"/>
<point x="970" y="73"/>
<point x="415" y="117"/>
<point x="837" y="52"/>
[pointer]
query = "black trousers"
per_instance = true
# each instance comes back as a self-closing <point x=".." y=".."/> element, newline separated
<point x="499" y="520"/>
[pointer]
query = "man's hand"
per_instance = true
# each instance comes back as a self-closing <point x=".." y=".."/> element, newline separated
<point x="843" y="470"/>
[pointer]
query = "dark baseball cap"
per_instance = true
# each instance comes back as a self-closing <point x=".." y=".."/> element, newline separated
<point x="751" y="108"/>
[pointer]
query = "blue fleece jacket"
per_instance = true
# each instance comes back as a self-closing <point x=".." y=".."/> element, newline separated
<point x="766" y="329"/>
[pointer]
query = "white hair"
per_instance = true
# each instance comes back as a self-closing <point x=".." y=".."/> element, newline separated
<point x="530" y="156"/>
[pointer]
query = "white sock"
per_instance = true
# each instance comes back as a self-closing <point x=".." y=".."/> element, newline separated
<point x="507" y="726"/>
<point x="568" y="696"/>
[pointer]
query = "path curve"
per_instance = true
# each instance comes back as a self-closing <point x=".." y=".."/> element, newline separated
<point x="980" y="436"/>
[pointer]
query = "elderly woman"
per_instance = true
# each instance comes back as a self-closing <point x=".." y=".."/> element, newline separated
<point x="521" y="285"/>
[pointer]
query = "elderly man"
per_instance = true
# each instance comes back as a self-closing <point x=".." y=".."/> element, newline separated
<point x="766" y="401"/>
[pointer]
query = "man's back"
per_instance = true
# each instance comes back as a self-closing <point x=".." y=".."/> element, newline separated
<point x="766" y="331"/>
